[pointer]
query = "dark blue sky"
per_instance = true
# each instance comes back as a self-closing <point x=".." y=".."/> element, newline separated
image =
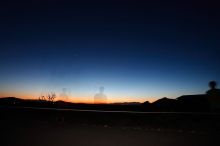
<point x="136" y="50"/>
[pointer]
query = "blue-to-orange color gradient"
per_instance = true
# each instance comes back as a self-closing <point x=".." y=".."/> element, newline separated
<point x="137" y="50"/>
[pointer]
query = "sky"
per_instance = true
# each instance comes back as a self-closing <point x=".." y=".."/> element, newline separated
<point x="138" y="50"/>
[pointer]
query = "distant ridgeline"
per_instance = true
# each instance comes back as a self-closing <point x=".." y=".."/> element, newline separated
<point x="208" y="102"/>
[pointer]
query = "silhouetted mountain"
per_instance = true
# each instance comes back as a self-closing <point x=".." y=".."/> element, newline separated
<point x="126" y="103"/>
<point x="195" y="103"/>
<point x="185" y="103"/>
<point x="10" y="101"/>
<point x="127" y="106"/>
<point x="165" y="104"/>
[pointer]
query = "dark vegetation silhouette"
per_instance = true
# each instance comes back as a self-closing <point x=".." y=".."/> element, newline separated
<point x="213" y="96"/>
<point x="48" y="97"/>
<point x="208" y="102"/>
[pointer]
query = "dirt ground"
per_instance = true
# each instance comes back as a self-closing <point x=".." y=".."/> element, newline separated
<point x="22" y="131"/>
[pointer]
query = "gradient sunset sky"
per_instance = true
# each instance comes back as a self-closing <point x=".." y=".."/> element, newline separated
<point x="137" y="50"/>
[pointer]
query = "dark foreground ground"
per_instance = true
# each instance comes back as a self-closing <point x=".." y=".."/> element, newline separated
<point x="50" y="127"/>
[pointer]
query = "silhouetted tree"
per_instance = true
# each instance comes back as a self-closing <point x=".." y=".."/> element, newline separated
<point x="213" y="96"/>
<point x="212" y="84"/>
<point x="213" y="91"/>
<point x="42" y="98"/>
<point x="49" y="97"/>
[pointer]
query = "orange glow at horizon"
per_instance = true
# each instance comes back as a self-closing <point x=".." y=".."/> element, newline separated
<point x="77" y="99"/>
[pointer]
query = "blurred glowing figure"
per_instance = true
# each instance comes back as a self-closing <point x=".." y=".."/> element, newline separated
<point x="100" y="98"/>
<point x="64" y="95"/>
